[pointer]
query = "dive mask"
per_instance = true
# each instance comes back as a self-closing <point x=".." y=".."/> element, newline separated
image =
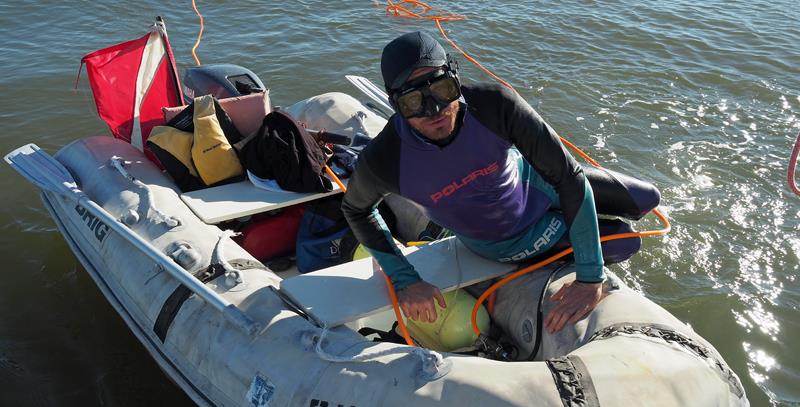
<point x="427" y="96"/>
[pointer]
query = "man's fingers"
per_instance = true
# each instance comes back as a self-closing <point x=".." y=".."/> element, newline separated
<point x="406" y="310"/>
<point x="552" y="322"/>
<point x="551" y="318"/>
<point x="439" y="298"/>
<point x="547" y="322"/>
<point x="431" y="311"/>
<point x="423" y="315"/>
<point x="559" y="316"/>
<point x="560" y="293"/>
<point x="578" y="315"/>
<point x="561" y="320"/>
<point x="418" y="312"/>
<point x="574" y="302"/>
<point x="418" y="301"/>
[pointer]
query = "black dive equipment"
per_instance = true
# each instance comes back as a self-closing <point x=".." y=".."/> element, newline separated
<point x="427" y="96"/>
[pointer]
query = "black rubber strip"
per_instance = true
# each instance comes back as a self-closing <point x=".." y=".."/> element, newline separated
<point x="573" y="382"/>
<point x="137" y="330"/>
<point x="178" y="297"/>
<point x="585" y="380"/>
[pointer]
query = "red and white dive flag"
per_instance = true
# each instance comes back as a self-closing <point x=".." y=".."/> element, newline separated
<point x="131" y="82"/>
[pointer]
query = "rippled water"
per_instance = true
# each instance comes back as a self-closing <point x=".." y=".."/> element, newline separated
<point x="702" y="98"/>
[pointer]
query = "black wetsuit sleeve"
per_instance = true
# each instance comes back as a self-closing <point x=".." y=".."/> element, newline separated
<point x="509" y="116"/>
<point x="375" y="176"/>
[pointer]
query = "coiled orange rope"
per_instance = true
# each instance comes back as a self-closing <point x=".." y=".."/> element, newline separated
<point x="426" y="12"/>
<point x="793" y="165"/>
<point x="199" y="34"/>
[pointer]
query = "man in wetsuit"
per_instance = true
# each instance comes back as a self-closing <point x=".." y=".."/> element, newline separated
<point x="483" y="164"/>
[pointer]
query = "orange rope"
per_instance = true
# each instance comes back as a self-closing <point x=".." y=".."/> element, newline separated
<point x="396" y="307"/>
<point x="491" y="290"/>
<point x="471" y="59"/>
<point x="199" y="34"/>
<point x="580" y="152"/>
<point x="792" y="166"/>
<point x="335" y="178"/>
<point x="492" y="299"/>
<point x="400" y="11"/>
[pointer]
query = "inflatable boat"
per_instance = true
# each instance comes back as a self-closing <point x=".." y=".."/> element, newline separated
<point x="232" y="331"/>
<point x="229" y="331"/>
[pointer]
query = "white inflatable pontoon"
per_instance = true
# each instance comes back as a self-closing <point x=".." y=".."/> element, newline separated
<point x="230" y="332"/>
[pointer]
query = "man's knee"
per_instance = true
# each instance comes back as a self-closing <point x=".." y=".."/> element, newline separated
<point x="618" y="250"/>
<point x="646" y="196"/>
<point x="622" y="195"/>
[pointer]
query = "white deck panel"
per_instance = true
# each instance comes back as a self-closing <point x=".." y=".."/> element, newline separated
<point x="350" y="291"/>
<point x="231" y="201"/>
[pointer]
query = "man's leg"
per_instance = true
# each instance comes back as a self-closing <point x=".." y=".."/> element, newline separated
<point x="614" y="251"/>
<point x="621" y="195"/>
<point x="615" y="194"/>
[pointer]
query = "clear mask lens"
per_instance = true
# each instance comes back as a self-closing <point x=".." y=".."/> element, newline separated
<point x="445" y="90"/>
<point x="428" y="98"/>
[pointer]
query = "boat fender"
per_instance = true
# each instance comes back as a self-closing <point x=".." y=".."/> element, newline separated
<point x="573" y="382"/>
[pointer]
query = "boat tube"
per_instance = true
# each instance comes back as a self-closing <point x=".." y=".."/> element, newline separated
<point x="627" y="351"/>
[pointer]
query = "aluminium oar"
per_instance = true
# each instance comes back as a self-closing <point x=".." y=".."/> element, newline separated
<point x="370" y="89"/>
<point x="45" y="172"/>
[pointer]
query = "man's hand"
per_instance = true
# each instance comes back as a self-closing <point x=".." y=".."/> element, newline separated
<point x="416" y="301"/>
<point x="575" y="300"/>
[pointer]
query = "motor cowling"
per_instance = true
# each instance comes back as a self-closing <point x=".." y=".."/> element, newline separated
<point x="220" y="80"/>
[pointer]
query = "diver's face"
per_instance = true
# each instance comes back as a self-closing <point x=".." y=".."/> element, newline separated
<point x="441" y="125"/>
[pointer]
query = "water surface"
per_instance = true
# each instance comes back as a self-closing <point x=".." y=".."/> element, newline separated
<point x="701" y="98"/>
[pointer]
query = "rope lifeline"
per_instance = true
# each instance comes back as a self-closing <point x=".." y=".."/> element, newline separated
<point x="199" y="34"/>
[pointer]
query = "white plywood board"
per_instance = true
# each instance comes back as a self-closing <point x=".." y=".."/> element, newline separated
<point x="350" y="291"/>
<point x="231" y="201"/>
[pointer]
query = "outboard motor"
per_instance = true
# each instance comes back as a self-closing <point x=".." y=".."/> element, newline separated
<point x="220" y="80"/>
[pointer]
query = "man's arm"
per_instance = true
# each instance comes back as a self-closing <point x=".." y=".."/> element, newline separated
<point x="365" y="190"/>
<point x="511" y="117"/>
<point x="516" y="120"/>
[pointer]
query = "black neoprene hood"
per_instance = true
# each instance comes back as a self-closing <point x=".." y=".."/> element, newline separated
<point x="406" y="53"/>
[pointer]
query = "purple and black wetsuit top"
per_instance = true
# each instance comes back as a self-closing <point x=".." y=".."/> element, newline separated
<point x="504" y="170"/>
